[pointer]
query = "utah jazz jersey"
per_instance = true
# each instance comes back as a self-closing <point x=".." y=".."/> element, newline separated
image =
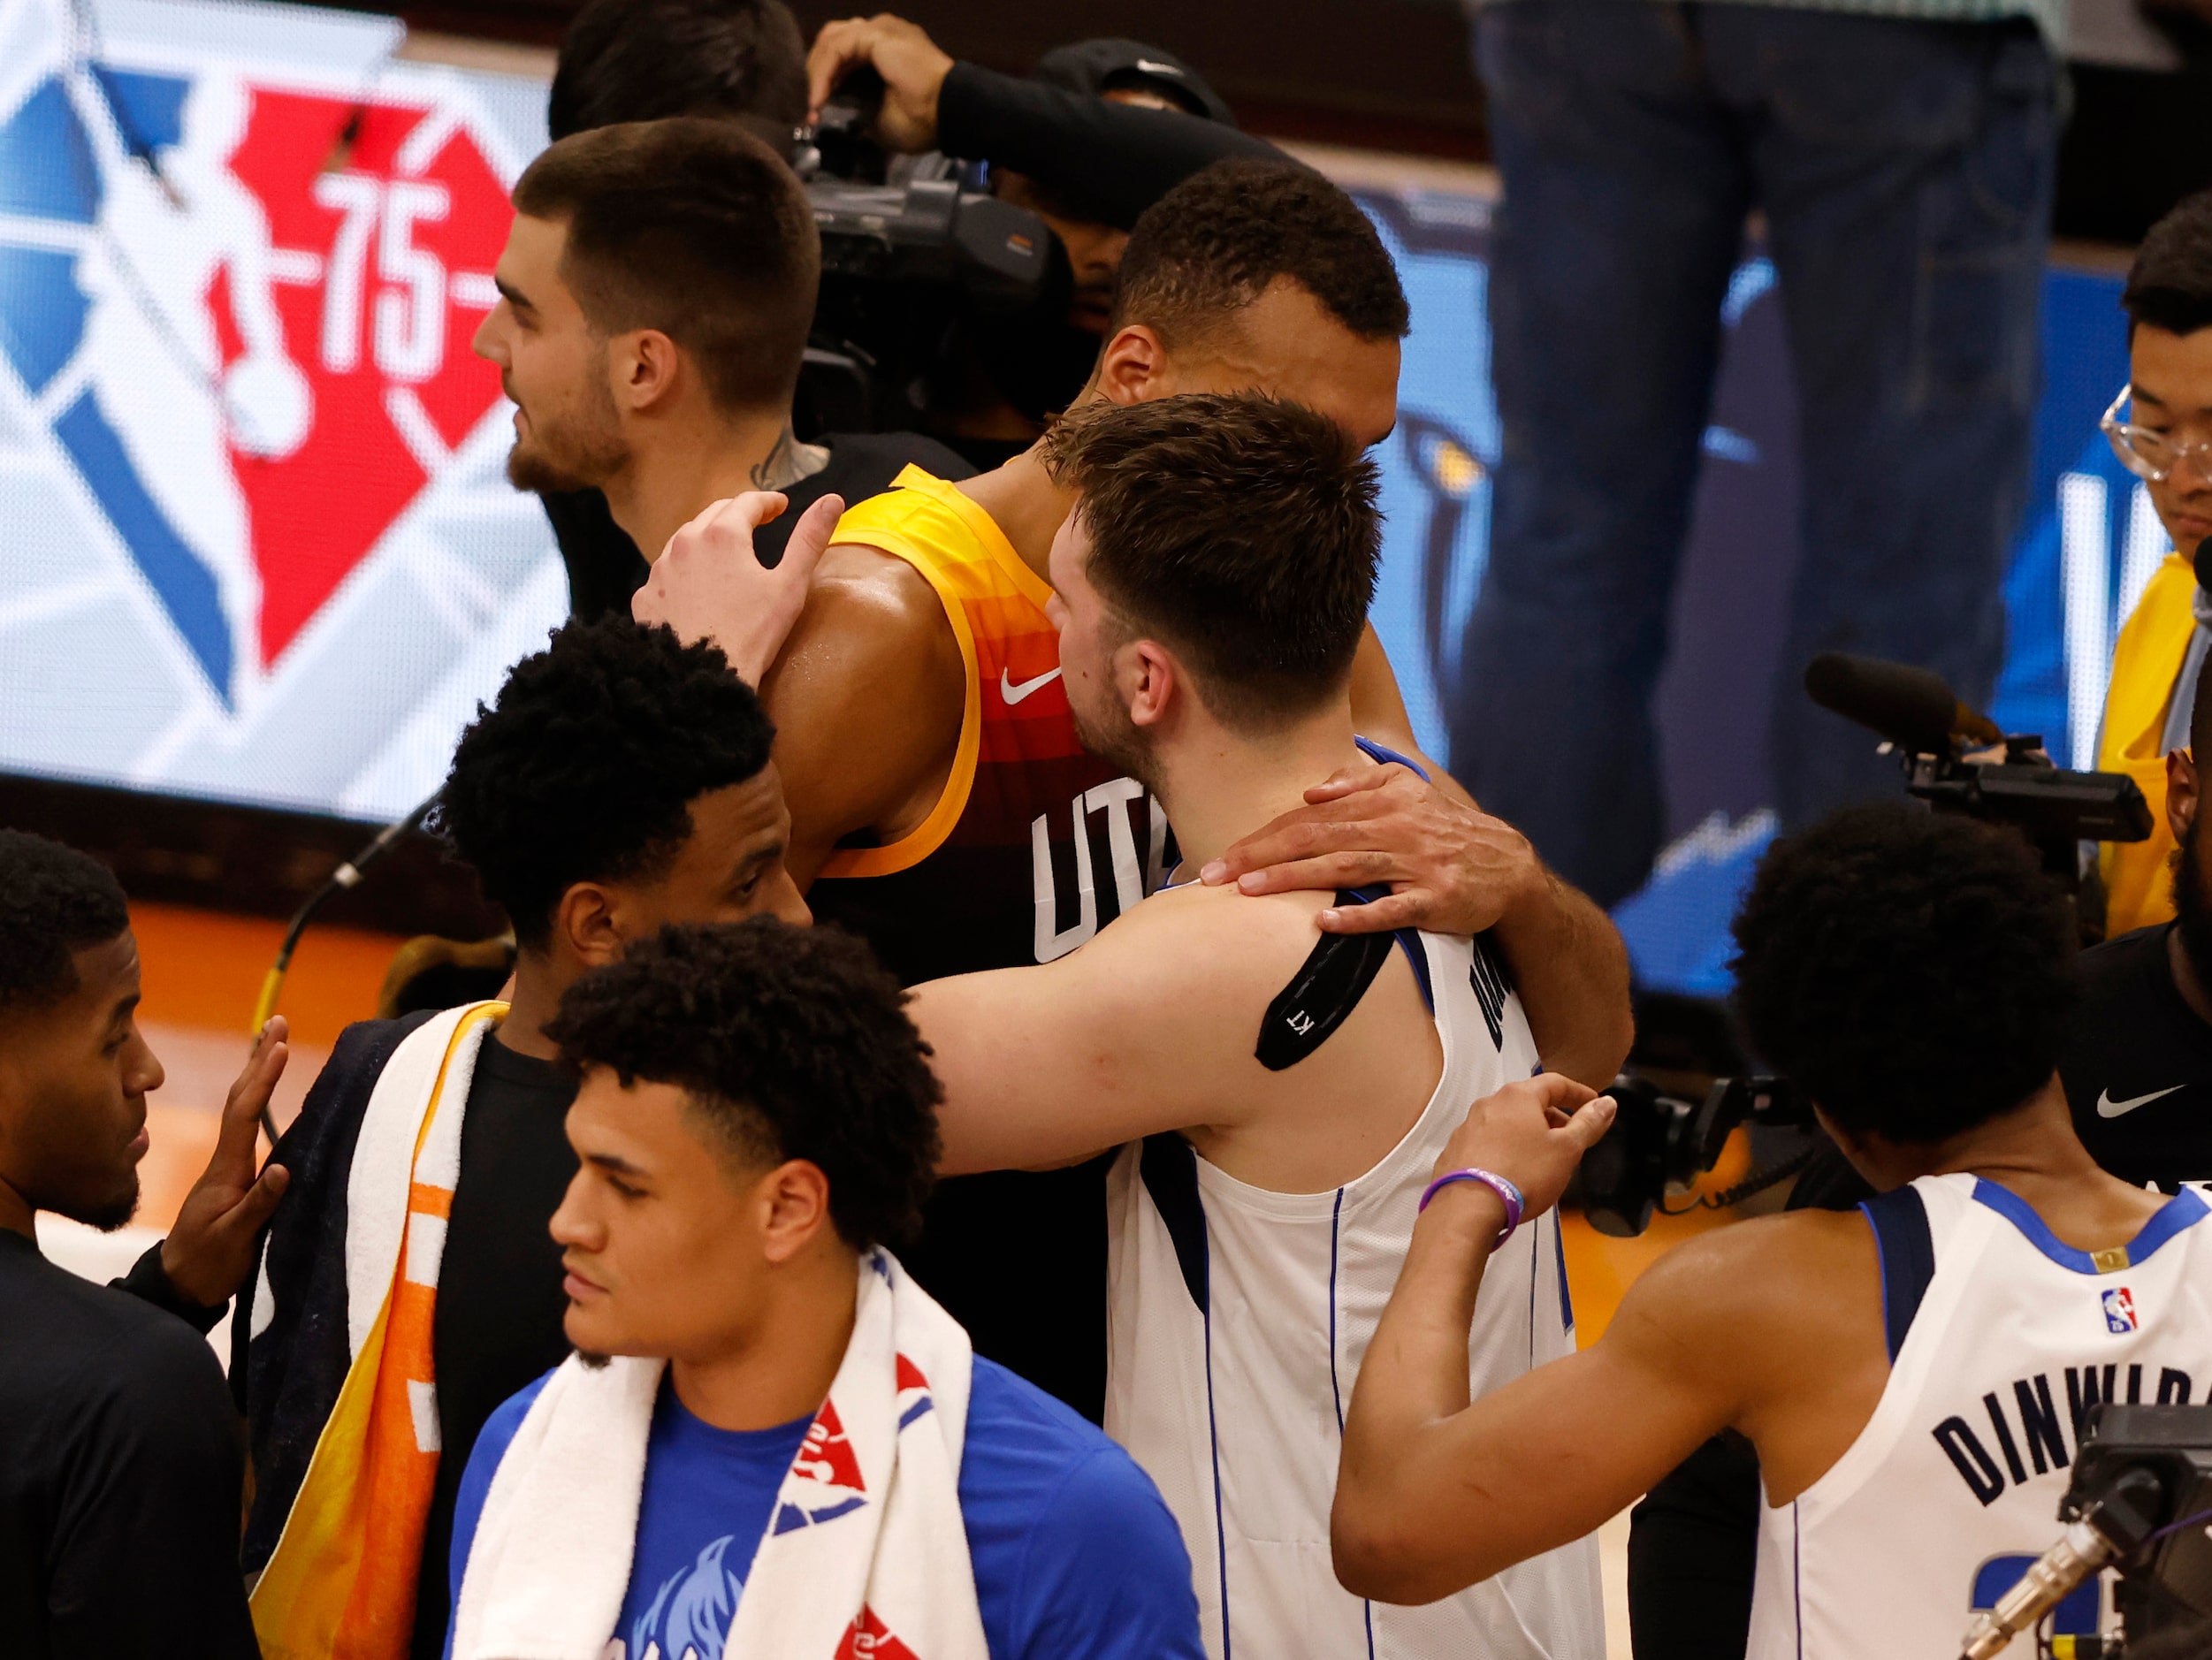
<point x="2001" y="1339"/>
<point x="1239" y="1317"/>
<point x="1035" y="844"/>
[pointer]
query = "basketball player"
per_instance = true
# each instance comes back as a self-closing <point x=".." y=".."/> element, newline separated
<point x="1278" y="1095"/>
<point x="1913" y="1373"/>
<point x="939" y="792"/>
<point x="619" y="781"/>
<point x="655" y="294"/>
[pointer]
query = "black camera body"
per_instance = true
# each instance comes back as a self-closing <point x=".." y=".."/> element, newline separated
<point x="1659" y="1142"/>
<point x="1958" y="761"/>
<point x="914" y="251"/>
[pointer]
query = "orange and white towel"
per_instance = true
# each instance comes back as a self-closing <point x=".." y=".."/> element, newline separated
<point x="340" y="1585"/>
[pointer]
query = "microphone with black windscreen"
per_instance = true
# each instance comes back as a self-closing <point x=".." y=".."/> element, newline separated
<point x="1938" y="739"/>
<point x="1912" y="707"/>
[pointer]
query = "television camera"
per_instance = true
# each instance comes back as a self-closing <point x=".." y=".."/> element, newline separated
<point x="920" y="263"/>
<point x="2141" y="1503"/>
<point x="1956" y="760"/>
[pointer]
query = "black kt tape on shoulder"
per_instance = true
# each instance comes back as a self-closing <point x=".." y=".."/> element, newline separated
<point x="1321" y="996"/>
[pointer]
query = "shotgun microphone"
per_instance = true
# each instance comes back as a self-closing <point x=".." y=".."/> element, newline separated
<point x="1912" y="707"/>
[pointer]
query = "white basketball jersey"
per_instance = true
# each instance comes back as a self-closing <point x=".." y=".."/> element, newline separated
<point x="2001" y="1338"/>
<point x="1238" y="1317"/>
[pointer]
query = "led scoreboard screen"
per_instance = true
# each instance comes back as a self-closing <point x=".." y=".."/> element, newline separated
<point x="256" y="539"/>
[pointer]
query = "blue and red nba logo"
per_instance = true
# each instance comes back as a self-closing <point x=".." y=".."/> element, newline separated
<point x="2119" y="1311"/>
<point x="236" y="299"/>
<point x="824" y="1482"/>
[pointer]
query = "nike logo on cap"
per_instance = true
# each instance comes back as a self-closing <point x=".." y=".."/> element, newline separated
<point x="1011" y="693"/>
<point x="2107" y="1108"/>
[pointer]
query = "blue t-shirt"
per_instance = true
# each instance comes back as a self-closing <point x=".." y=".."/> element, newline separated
<point x="1075" y="1557"/>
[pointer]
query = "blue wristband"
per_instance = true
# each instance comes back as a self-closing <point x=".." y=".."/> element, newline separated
<point x="1508" y="1195"/>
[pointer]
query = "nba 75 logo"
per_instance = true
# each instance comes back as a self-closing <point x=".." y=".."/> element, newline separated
<point x="241" y="307"/>
<point x="2119" y="1311"/>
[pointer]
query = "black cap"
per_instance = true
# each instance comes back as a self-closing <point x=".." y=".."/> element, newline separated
<point x="1094" y="68"/>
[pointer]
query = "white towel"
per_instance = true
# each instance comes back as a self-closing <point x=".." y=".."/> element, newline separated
<point x="866" y="1554"/>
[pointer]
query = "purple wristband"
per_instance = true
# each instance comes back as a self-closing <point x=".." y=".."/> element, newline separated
<point x="1508" y="1195"/>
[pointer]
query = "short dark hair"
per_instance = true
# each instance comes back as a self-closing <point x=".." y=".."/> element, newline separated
<point x="1212" y="245"/>
<point x="696" y="228"/>
<point x="1241" y="529"/>
<point x="793" y="1043"/>
<point x="1911" y="971"/>
<point x="584" y="766"/>
<point x="2169" y="284"/>
<point x="54" y="903"/>
<point x="642" y="60"/>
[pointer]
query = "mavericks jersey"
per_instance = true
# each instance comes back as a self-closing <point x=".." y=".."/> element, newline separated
<point x="1035" y="845"/>
<point x="1238" y="1319"/>
<point x="2001" y="1338"/>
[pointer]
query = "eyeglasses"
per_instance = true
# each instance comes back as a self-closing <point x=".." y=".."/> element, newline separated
<point x="2148" y="454"/>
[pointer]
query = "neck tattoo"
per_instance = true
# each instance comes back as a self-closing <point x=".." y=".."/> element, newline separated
<point x="788" y="462"/>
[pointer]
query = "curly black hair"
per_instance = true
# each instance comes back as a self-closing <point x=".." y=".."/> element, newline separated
<point x="1911" y="971"/>
<point x="584" y="766"/>
<point x="794" y="1042"/>
<point x="54" y="903"/>
<point x="1212" y="245"/>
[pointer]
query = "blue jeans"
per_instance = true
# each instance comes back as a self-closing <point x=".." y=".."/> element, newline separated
<point x="1904" y="168"/>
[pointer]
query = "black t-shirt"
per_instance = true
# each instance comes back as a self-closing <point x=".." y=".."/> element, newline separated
<point x="2138" y="1066"/>
<point x="499" y="1302"/>
<point x="606" y="568"/>
<point x="122" y="1474"/>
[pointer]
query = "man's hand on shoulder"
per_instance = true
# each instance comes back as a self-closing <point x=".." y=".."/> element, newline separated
<point x="912" y="65"/>
<point x="709" y="584"/>
<point x="1450" y="867"/>
<point x="209" y="1251"/>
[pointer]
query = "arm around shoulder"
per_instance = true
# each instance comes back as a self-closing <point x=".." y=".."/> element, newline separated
<point x="868" y="697"/>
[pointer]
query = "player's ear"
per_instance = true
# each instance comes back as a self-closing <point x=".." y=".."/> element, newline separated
<point x="792" y="1201"/>
<point x="587" y="922"/>
<point x="1150" y="681"/>
<point x="1133" y="367"/>
<point x="645" y="367"/>
<point x="2181" y="792"/>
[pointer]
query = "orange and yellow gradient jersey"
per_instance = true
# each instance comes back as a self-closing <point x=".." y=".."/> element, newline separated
<point x="997" y="876"/>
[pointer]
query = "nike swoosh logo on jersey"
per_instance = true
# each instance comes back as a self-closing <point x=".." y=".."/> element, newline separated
<point x="1012" y="692"/>
<point x="2107" y="1108"/>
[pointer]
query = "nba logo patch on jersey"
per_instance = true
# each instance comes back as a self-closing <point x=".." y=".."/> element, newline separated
<point x="2119" y="1311"/>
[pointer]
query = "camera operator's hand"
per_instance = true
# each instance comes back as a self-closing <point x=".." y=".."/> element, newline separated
<point x="912" y="65"/>
<point x="1533" y="1132"/>
<point x="1452" y="868"/>
<point x="708" y="584"/>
